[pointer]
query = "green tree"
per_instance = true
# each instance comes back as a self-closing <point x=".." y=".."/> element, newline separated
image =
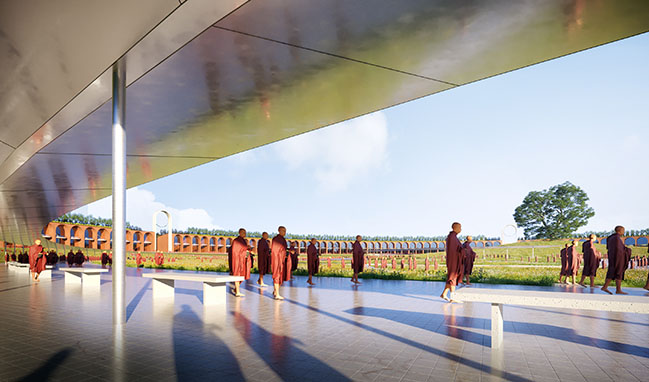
<point x="554" y="213"/>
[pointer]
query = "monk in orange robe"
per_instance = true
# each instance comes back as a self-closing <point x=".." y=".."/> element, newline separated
<point x="278" y="260"/>
<point x="37" y="260"/>
<point x="240" y="260"/>
<point x="358" y="259"/>
<point x="618" y="260"/>
<point x="263" y="258"/>
<point x="591" y="260"/>
<point x="312" y="260"/>
<point x="454" y="260"/>
<point x="469" y="258"/>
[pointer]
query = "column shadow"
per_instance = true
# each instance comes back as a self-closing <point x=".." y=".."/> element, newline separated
<point x="199" y="354"/>
<point x="130" y="308"/>
<point x="44" y="372"/>
<point x="282" y="355"/>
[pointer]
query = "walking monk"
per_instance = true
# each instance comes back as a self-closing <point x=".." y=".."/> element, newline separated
<point x="263" y="258"/>
<point x="618" y="259"/>
<point x="37" y="260"/>
<point x="573" y="261"/>
<point x="312" y="260"/>
<point x="358" y="259"/>
<point x="564" y="264"/>
<point x="240" y="260"/>
<point x="453" y="261"/>
<point x="469" y="258"/>
<point x="591" y="260"/>
<point x="278" y="258"/>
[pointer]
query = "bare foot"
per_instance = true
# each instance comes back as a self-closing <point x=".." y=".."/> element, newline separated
<point x="606" y="290"/>
<point x="620" y="292"/>
<point x="469" y="284"/>
<point x="445" y="298"/>
<point x="582" y="285"/>
<point x="278" y="297"/>
<point x="456" y="301"/>
<point x="239" y="295"/>
<point x="646" y="287"/>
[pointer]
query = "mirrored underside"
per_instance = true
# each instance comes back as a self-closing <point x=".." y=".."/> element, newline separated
<point x="273" y="69"/>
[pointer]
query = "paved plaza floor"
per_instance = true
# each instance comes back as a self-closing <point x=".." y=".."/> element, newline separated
<point x="382" y="330"/>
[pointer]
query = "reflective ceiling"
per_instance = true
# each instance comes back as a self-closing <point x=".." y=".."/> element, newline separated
<point x="210" y="79"/>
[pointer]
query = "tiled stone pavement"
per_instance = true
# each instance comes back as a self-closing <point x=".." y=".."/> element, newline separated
<point x="383" y="330"/>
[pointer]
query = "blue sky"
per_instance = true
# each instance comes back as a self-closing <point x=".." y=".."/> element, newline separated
<point x="470" y="154"/>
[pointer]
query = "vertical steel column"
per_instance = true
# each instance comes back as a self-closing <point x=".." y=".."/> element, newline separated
<point x="119" y="192"/>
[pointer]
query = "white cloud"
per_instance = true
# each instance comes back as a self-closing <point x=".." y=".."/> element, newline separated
<point x="140" y="206"/>
<point x="339" y="153"/>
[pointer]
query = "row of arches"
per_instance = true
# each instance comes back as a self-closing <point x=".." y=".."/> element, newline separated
<point x="96" y="237"/>
<point x="213" y="244"/>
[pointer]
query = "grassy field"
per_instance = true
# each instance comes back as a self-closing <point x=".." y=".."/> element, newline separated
<point x="519" y="263"/>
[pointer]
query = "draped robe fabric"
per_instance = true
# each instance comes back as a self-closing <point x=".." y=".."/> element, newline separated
<point x="454" y="259"/>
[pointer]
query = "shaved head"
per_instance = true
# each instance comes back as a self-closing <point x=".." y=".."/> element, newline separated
<point x="619" y="230"/>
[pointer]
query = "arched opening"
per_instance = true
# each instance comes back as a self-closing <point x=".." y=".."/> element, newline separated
<point x="101" y="239"/>
<point x="75" y="236"/>
<point x="111" y="240"/>
<point x="472" y="244"/>
<point x="177" y="243"/>
<point x="212" y="244"/>
<point x="642" y="241"/>
<point x="137" y="241"/>
<point x="488" y="244"/>
<point x="88" y="238"/>
<point x="187" y="245"/>
<point x="480" y="244"/>
<point x="129" y="240"/>
<point x="441" y="246"/>
<point x="604" y="241"/>
<point x="336" y="247"/>
<point x="220" y="245"/>
<point x="146" y="242"/>
<point x="496" y="243"/>
<point x="629" y="241"/>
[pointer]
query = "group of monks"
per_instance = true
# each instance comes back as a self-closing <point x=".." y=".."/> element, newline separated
<point x="277" y="258"/>
<point x="619" y="256"/>
<point x="459" y="261"/>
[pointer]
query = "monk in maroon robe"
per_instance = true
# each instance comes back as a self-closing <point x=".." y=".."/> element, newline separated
<point x="618" y="260"/>
<point x="454" y="259"/>
<point x="70" y="258"/>
<point x="358" y="259"/>
<point x="574" y="261"/>
<point x="37" y="259"/>
<point x="312" y="260"/>
<point x="263" y="258"/>
<point x="294" y="257"/>
<point x="469" y="258"/>
<point x="591" y="260"/>
<point x="278" y="260"/>
<point x="564" y="264"/>
<point x="240" y="260"/>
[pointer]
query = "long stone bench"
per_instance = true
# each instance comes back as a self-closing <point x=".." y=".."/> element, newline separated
<point x="90" y="276"/>
<point x="563" y="300"/>
<point x="214" y="290"/>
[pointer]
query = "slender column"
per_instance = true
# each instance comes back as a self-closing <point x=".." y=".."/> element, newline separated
<point x="119" y="192"/>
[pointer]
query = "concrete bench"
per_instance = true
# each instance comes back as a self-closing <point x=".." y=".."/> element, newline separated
<point x="19" y="267"/>
<point x="214" y="291"/>
<point x="90" y="276"/>
<point x="563" y="300"/>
